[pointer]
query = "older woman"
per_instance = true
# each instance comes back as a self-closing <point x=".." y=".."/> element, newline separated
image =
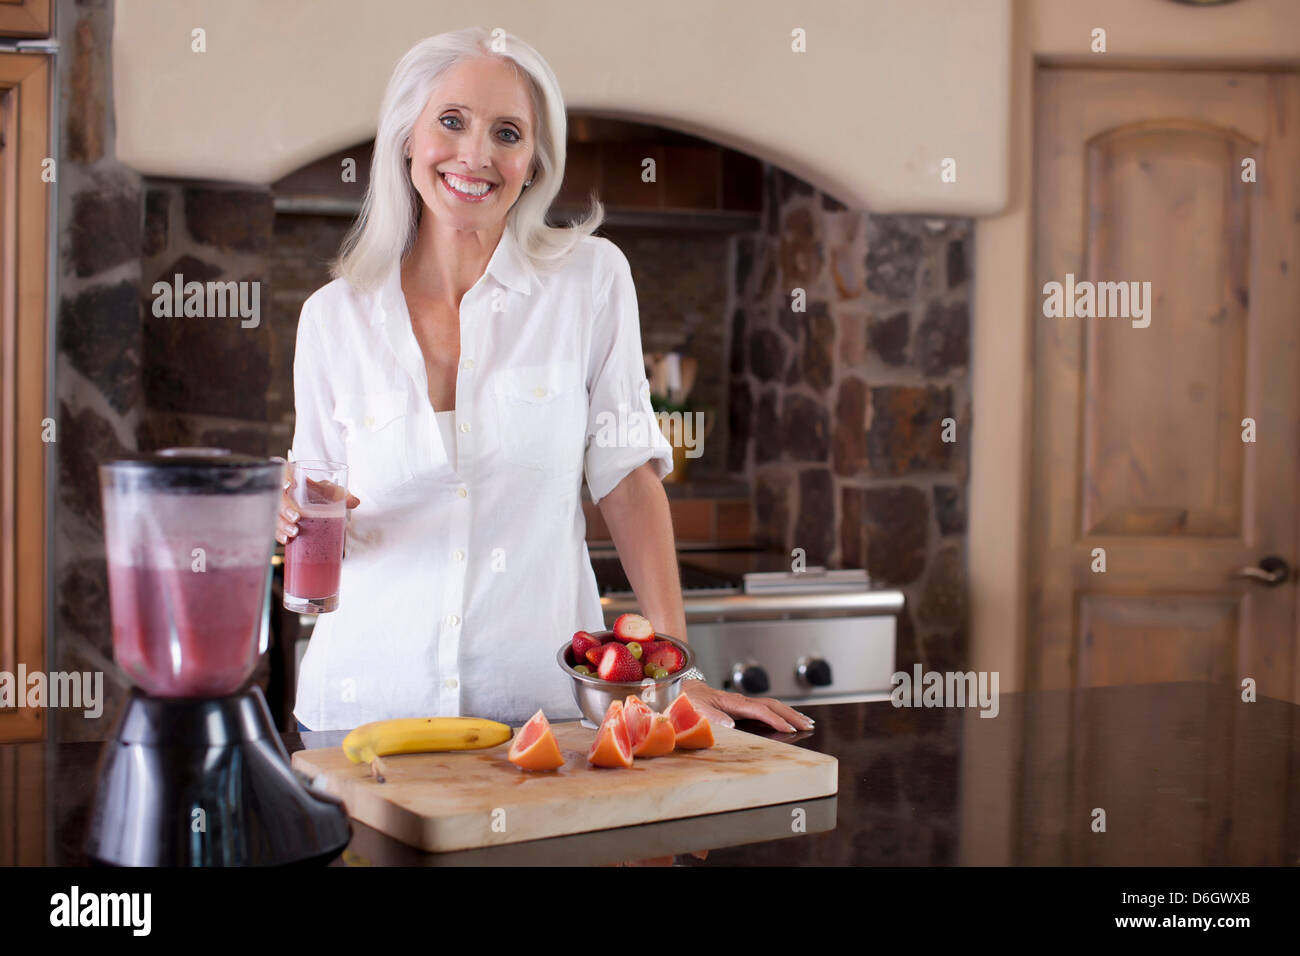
<point x="463" y="364"/>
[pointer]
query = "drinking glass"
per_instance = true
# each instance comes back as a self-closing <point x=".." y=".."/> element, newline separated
<point x="313" y="558"/>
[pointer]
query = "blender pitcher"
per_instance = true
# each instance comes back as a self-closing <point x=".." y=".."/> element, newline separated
<point x="189" y="534"/>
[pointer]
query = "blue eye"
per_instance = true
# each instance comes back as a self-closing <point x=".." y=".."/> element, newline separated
<point x="515" y="135"/>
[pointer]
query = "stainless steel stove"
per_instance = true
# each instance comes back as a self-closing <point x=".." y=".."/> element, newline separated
<point x="813" y="636"/>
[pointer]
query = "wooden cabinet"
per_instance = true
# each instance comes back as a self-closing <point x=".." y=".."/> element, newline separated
<point x="24" y="209"/>
<point x="26" y="18"/>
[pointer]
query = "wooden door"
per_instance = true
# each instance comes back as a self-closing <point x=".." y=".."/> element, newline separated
<point x="1138" y="452"/>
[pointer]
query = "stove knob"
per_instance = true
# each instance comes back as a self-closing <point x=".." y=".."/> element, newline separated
<point x="750" y="680"/>
<point x="814" y="671"/>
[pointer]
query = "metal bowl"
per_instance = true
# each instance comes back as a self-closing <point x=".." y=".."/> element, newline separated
<point x="594" y="695"/>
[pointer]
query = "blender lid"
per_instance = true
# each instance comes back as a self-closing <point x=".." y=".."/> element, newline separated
<point x="190" y="457"/>
<point x="195" y="469"/>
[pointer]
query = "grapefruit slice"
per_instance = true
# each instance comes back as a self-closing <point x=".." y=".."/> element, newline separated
<point x="692" y="729"/>
<point x="612" y="747"/>
<point x="659" y="740"/>
<point x="534" y="747"/>
<point x="637" y="715"/>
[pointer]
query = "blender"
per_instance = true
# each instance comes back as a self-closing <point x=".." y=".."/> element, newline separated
<point x="195" y="773"/>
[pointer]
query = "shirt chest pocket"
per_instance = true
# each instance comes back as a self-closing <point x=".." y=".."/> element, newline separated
<point x="542" y="417"/>
<point x="376" y="428"/>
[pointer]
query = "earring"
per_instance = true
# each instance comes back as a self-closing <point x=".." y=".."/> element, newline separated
<point x="528" y="182"/>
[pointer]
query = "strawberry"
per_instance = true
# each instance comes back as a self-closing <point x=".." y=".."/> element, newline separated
<point x="594" y="654"/>
<point x="618" y="664"/>
<point x="666" y="655"/>
<point x="583" y="642"/>
<point x="633" y="627"/>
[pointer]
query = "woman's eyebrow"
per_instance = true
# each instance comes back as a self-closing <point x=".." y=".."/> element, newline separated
<point x="460" y="106"/>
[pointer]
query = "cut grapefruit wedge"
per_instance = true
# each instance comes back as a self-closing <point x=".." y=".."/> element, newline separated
<point x="661" y="739"/>
<point x="612" y="747"/>
<point x="637" y="714"/>
<point x="692" y="728"/>
<point x="534" y="747"/>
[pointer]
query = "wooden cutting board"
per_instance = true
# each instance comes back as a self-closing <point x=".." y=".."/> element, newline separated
<point x="477" y="798"/>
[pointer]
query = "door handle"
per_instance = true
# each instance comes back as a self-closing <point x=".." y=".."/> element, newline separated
<point x="1270" y="572"/>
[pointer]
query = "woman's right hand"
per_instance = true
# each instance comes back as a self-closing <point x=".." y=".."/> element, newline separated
<point x="286" y="522"/>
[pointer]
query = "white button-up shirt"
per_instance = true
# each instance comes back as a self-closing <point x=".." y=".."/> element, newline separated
<point x="464" y="573"/>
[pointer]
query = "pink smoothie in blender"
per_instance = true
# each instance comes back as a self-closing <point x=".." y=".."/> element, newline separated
<point x="189" y="541"/>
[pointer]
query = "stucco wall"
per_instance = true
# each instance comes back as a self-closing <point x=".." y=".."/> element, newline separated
<point x="284" y="83"/>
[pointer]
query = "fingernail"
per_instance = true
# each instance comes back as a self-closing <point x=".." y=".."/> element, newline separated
<point x="293" y="532"/>
<point x="293" y="515"/>
<point x="729" y="723"/>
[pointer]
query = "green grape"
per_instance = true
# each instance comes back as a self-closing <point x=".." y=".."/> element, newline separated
<point x="635" y="649"/>
<point x="583" y="669"/>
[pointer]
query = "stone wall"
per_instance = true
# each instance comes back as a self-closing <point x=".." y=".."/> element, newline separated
<point x="99" y="344"/>
<point x="128" y="380"/>
<point x="837" y="413"/>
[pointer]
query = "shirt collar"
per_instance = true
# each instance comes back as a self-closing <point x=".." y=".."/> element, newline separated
<point x="508" y="265"/>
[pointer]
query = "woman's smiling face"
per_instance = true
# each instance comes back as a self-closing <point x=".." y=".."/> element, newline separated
<point x="478" y="125"/>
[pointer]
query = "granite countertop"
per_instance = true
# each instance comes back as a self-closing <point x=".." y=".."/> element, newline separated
<point x="1186" y="773"/>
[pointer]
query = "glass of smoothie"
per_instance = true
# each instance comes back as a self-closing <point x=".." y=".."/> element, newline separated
<point x="314" y="558"/>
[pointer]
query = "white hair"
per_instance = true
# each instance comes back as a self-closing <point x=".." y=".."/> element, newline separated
<point x="386" y="227"/>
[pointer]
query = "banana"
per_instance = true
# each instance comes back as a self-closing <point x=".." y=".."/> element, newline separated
<point x="407" y="735"/>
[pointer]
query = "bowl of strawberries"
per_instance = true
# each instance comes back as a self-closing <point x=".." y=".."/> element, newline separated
<point x="628" y="659"/>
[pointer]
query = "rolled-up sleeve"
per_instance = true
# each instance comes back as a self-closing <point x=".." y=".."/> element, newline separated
<point x="316" y="435"/>
<point x="622" y="430"/>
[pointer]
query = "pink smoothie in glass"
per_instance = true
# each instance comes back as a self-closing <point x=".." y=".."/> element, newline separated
<point x="313" y="559"/>
<point x="216" y="617"/>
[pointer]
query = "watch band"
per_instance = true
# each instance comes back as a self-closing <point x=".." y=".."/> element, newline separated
<point x="694" y="674"/>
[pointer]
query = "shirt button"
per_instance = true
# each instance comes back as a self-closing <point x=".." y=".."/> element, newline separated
<point x="539" y="391"/>
<point x="370" y="421"/>
<point x="453" y="620"/>
<point x="464" y="426"/>
<point x="452" y="683"/>
<point x="468" y="363"/>
<point x="462" y="492"/>
<point x="458" y="555"/>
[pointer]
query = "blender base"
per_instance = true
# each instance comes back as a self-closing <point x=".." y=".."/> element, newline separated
<point x="206" y="782"/>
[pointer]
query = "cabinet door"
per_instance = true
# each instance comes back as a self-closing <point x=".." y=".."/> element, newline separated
<point x="26" y="18"/>
<point x="24" y="204"/>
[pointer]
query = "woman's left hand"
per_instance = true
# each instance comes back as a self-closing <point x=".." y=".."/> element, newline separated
<point x="718" y="704"/>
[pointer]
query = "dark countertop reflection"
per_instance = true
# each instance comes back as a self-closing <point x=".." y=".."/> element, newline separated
<point x="1179" y="774"/>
